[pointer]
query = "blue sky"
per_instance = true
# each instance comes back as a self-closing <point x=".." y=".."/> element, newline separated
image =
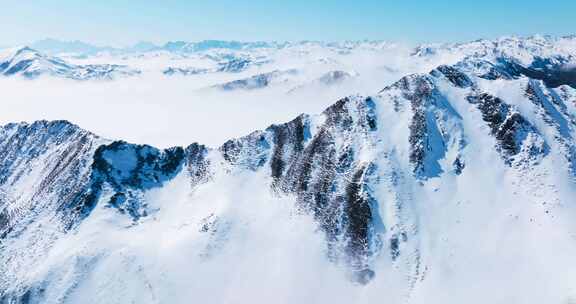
<point x="122" y="22"/>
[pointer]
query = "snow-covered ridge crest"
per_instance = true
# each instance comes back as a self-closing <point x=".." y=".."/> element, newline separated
<point x="374" y="174"/>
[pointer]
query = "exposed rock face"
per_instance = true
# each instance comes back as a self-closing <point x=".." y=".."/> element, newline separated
<point x="356" y="168"/>
<point x="197" y="163"/>
<point x="324" y="171"/>
<point x="128" y="170"/>
<point x="455" y="76"/>
<point x="513" y="132"/>
<point x="235" y="65"/>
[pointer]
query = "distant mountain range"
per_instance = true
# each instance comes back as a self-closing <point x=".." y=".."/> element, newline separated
<point x="54" y="46"/>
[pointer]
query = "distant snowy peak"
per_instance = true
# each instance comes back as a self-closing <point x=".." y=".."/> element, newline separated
<point x="259" y="81"/>
<point x="29" y="63"/>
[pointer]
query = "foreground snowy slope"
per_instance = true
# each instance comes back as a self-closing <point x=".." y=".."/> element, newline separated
<point x="440" y="188"/>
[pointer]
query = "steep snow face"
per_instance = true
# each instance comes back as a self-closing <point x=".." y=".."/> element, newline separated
<point x="438" y="188"/>
<point x="29" y="63"/>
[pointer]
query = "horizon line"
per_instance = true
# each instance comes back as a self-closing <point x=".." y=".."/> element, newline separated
<point x="166" y="42"/>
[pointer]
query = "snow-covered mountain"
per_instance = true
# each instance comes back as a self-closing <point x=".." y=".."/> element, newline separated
<point x="30" y="63"/>
<point x="454" y="185"/>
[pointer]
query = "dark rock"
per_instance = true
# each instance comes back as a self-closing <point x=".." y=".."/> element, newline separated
<point x="455" y="76"/>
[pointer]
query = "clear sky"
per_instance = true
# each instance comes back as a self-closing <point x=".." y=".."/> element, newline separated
<point x="123" y="22"/>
